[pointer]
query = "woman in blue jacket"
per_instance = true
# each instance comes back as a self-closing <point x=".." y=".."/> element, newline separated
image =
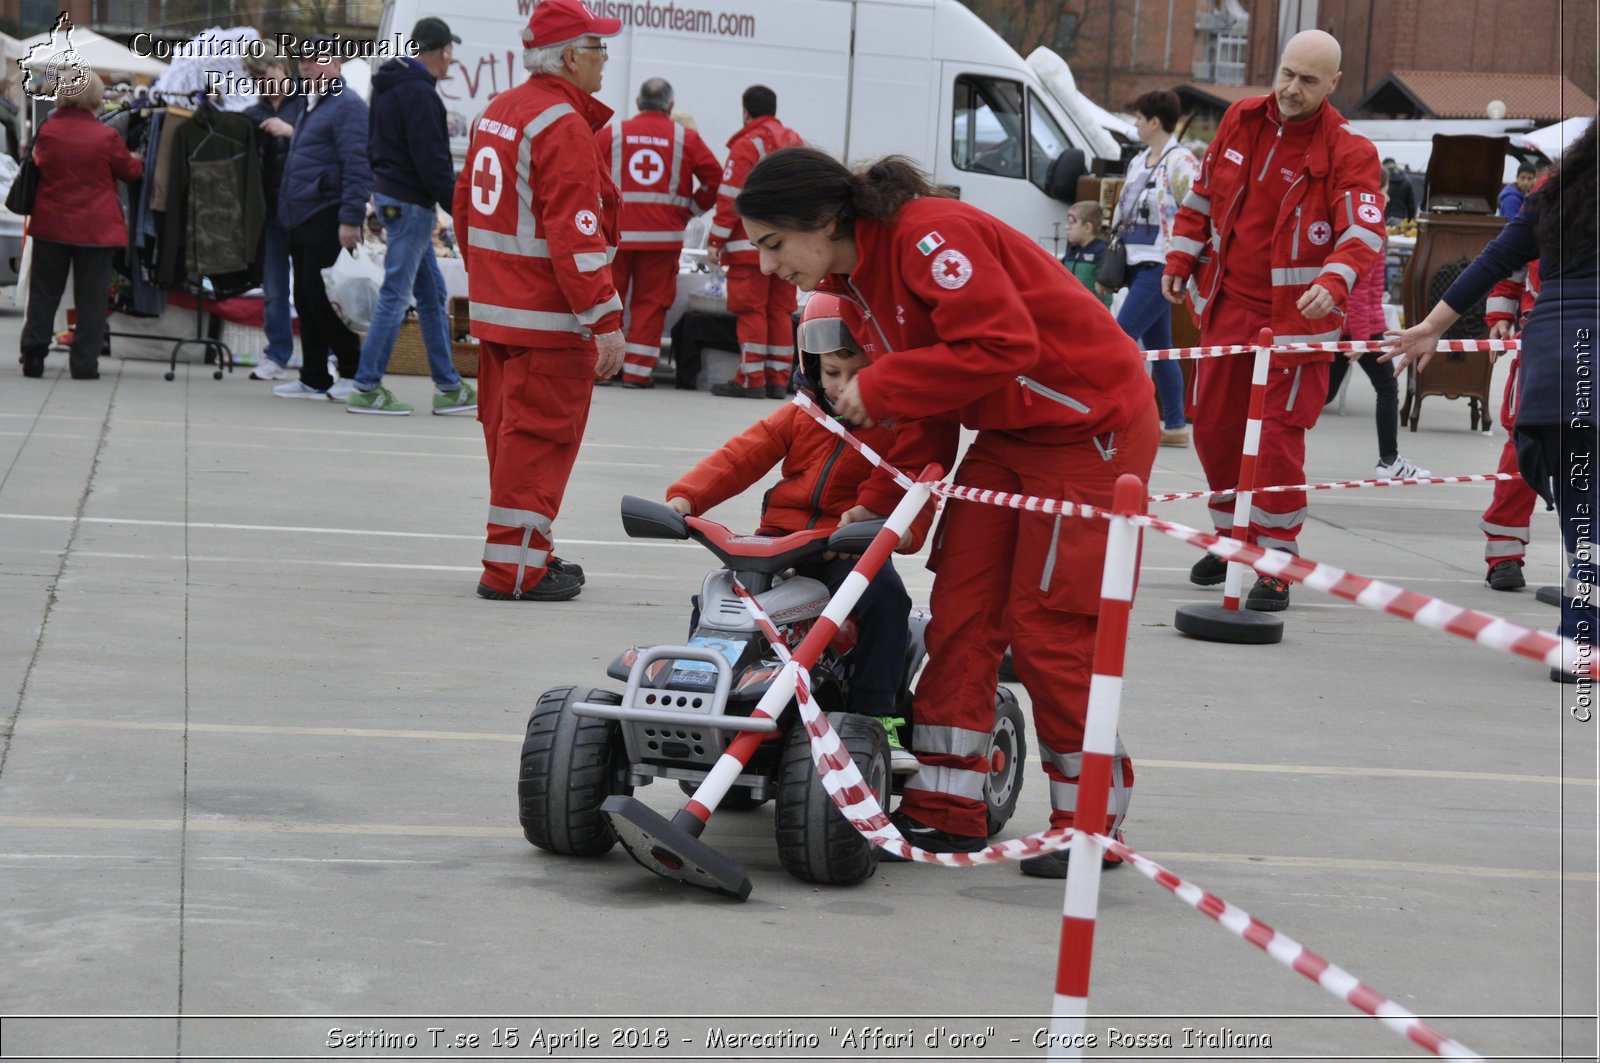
<point x="1555" y="428"/>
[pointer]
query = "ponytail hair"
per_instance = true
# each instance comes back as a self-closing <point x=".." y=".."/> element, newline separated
<point x="806" y="190"/>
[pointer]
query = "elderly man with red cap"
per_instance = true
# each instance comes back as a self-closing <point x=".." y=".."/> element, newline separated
<point x="536" y="216"/>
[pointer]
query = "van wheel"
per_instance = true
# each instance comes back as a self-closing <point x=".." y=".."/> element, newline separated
<point x="815" y="842"/>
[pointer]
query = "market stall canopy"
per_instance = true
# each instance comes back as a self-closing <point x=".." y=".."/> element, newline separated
<point x="104" y="55"/>
<point x="11" y="48"/>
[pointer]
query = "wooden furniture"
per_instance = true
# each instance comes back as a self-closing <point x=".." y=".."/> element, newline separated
<point x="1456" y="223"/>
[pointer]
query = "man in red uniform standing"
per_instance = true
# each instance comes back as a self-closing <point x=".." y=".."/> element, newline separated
<point x="655" y="162"/>
<point x="536" y="218"/>
<point x="1284" y="173"/>
<point x="763" y="304"/>
<point x="1507" y="522"/>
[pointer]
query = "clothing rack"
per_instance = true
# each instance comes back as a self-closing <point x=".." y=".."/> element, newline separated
<point x="215" y="349"/>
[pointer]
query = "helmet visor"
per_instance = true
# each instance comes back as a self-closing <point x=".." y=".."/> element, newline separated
<point x="825" y="335"/>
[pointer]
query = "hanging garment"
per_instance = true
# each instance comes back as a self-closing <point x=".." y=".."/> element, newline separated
<point x="215" y="207"/>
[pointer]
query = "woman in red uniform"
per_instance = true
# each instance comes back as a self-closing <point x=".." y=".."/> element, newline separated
<point x="969" y="323"/>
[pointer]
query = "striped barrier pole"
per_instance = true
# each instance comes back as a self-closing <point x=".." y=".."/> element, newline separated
<point x="727" y="768"/>
<point x="1070" y="1009"/>
<point x="1227" y="622"/>
<point x="1289" y="952"/>
<point x="1247" y="465"/>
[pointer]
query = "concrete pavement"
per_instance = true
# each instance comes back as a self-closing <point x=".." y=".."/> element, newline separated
<point x="258" y="775"/>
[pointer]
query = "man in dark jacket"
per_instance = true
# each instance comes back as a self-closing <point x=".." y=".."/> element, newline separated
<point x="322" y="204"/>
<point x="409" y="145"/>
<point x="277" y="110"/>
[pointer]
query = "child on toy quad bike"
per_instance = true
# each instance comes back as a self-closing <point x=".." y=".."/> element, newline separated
<point x="821" y="474"/>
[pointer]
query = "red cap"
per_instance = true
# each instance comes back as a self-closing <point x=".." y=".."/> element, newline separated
<point x="559" y="21"/>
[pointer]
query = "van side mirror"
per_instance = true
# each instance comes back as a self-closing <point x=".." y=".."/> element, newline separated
<point x="1061" y="179"/>
<point x="645" y="518"/>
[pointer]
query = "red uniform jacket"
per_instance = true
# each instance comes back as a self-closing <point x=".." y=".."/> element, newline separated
<point x="1329" y="227"/>
<point x="745" y="148"/>
<point x="536" y="218"/>
<point x="821" y="473"/>
<point x="969" y="322"/>
<point x="79" y="162"/>
<point x="656" y="162"/>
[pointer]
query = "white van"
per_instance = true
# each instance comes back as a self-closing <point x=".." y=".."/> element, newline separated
<point x="858" y="78"/>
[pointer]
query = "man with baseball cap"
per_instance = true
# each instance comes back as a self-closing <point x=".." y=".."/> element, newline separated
<point x="537" y="221"/>
<point x="412" y="174"/>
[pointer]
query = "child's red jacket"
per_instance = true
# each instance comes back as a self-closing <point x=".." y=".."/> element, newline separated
<point x="821" y="473"/>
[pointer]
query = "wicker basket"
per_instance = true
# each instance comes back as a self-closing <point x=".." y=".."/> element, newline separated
<point x="410" y="358"/>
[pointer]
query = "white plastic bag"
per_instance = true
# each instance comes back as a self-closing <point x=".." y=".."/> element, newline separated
<point x="353" y="282"/>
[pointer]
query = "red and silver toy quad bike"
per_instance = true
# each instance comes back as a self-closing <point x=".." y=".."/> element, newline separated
<point x="683" y="705"/>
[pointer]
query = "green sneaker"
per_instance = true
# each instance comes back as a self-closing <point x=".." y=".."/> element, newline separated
<point x="901" y="760"/>
<point x="378" y="400"/>
<point x="460" y="399"/>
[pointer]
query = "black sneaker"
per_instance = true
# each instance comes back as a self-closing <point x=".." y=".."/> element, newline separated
<point x="566" y="568"/>
<point x="555" y="587"/>
<point x="1054" y="865"/>
<point x="1208" y="571"/>
<point x="1269" y="595"/>
<point x="734" y="390"/>
<point x="32" y="365"/>
<point x="777" y="391"/>
<point x="1506" y="576"/>
<point x="931" y="839"/>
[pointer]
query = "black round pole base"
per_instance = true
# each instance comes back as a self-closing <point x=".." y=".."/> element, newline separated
<point x="1549" y="596"/>
<point x="1213" y="623"/>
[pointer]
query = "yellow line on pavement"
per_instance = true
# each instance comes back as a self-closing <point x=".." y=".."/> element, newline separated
<point x="242" y="826"/>
<point x="493" y="736"/>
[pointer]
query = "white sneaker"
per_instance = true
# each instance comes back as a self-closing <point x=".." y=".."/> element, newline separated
<point x="269" y="370"/>
<point x="1403" y="468"/>
<point x="297" y="389"/>
<point x="903" y="762"/>
<point x="340" y="392"/>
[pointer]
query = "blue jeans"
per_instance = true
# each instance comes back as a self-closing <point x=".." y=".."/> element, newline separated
<point x="409" y="268"/>
<point x="1147" y="317"/>
<point x="275" y="286"/>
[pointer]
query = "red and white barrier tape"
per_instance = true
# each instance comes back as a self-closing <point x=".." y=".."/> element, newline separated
<point x="1172" y="354"/>
<point x="1482" y="628"/>
<point x="1336" y="980"/>
<point x="849" y="791"/>
<point x="804" y="402"/>
<point x="1343" y="485"/>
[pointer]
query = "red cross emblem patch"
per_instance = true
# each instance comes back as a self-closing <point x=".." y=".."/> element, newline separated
<point x="951" y="269"/>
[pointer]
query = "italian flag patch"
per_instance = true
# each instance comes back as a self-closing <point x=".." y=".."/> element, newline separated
<point x="930" y="243"/>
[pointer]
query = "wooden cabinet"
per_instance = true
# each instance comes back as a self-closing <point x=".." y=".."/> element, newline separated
<point x="1457" y="223"/>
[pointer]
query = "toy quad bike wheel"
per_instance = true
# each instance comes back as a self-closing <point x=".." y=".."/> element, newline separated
<point x="570" y="764"/>
<point x="1008" y="760"/>
<point x="815" y="842"/>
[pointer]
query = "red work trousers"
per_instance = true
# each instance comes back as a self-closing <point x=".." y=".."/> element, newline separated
<point x="647" y="280"/>
<point x="1295" y="396"/>
<point x="764" y="306"/>
<point x="533" y="404"/>
<point x="1507" y="522"/>
<point x="1029" y="580"/>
